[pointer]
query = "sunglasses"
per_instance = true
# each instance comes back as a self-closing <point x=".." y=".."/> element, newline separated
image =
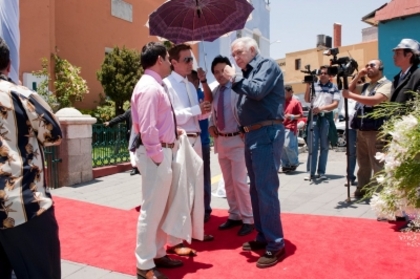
<point x="372" y="65"/>
<point x="188" y="59"/>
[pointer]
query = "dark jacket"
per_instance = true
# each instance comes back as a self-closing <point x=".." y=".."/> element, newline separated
<point x="126" y="116"/>
<point x="411" y="82"/>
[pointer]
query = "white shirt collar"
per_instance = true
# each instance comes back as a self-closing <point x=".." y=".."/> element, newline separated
<point x="178" y="77"/>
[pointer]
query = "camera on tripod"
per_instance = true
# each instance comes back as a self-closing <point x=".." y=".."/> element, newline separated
<point x="340" y="67"/>
<point x="311" y="75"/>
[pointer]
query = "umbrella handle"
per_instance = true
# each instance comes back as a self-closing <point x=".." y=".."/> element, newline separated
<point x="205" y="57"/>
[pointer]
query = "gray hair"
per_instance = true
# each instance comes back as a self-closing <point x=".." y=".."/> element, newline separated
<point x="247" y="42"/>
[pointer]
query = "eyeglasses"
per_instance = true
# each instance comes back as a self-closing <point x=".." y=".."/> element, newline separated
<point x="323" y="73"/>
<point x="372" y="65"/>
<point x="188" y="59"/>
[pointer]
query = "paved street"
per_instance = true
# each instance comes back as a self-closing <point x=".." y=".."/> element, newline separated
<point x="296" y="196"/>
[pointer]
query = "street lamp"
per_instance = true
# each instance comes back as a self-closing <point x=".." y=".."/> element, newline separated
<point x="275" y="42"/>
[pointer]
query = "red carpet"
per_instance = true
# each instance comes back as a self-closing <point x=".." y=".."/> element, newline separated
<point x="317" y="246"/>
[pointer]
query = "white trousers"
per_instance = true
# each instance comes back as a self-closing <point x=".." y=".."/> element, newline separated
<point x="156" y="183"/>
<point x="196" y="144"/>
<point x="232" y="163"/>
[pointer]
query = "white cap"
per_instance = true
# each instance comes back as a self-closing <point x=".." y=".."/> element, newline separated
<point x="409" y="44"/>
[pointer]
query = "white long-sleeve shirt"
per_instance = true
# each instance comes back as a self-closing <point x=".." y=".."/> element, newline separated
<point x="186" y="106"/>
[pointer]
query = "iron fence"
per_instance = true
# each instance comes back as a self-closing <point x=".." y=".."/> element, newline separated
<point x="51" y="164"/>
<point x="109" y="145"/>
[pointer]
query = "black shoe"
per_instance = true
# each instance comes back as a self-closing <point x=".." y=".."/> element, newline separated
<point x="254" y="245"/>
<point x="246" y="229"/>
<point x="270" y="258"/>
<point x="167" y="262"/>
<point x="134" y="171"/>
<point x="230" y="224"/>
<point x="286" y="169"/>
<point x="359" y="193"/>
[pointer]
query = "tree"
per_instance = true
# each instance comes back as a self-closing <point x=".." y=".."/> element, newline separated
<point x="119" y="74"/>
<point x="68" y="84"/>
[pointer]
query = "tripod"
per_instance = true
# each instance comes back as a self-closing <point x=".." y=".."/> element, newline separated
<point x="344" y="84"/>
<point x="311" y="127"/>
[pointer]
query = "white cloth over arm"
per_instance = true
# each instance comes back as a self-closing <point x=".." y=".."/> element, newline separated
<point x="185" y="206"/>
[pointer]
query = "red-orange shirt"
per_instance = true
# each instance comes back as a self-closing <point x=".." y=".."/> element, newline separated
<point x="294" y="107"/>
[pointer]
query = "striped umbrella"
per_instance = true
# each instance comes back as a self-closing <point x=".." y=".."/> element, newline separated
<point x="182" y="21"/>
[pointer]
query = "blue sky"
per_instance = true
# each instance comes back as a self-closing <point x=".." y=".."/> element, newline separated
<point x="296" y="23"/>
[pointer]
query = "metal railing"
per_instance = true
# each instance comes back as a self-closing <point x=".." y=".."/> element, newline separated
<point x="109" y="145"/>
<point x="51" y="164"/>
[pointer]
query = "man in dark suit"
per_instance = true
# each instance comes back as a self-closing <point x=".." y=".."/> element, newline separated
<point x="126" y="116"/>
<point x="406" y="57"/>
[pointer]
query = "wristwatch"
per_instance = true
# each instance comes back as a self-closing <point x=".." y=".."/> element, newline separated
<point x="203" y="81"/>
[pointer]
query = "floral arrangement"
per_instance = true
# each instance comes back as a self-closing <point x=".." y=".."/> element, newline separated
<point x="398" y="185"/>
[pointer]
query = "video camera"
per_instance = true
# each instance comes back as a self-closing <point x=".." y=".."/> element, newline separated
<point x="311" y="75"/>
<point x="340" y="67"/>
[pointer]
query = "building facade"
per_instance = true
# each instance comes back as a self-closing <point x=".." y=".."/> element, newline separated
<point x="295" y="62"/>
<point x="81" y="32"/>
<point x="257" y="27"/>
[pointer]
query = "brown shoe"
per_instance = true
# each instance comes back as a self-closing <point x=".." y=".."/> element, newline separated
<point x="150" y="274"/>
<point x="167" y="262"/>
<point x="181" y="250"/>
<point x="270" y="258"/>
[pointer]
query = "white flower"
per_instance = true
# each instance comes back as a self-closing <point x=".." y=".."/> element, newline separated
<point x="380" y="179"/>
<point x="409" y="121"/>
<point x="380" y="156"/>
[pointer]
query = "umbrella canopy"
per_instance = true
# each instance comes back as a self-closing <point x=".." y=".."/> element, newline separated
<point x="182" y="21"/>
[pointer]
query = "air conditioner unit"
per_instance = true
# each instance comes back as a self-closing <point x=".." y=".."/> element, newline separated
<point x="31" y="81"/>
<point x="323" y="41"/>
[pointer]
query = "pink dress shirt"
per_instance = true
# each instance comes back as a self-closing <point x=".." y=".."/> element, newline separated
<point x="152" y="115"/>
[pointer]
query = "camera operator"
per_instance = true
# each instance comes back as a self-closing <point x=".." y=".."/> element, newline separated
<point x="378" y="90"/>
<point x="326" y="100"/>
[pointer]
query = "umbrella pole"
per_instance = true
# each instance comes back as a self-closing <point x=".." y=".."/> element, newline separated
<point x="205" y="57"/>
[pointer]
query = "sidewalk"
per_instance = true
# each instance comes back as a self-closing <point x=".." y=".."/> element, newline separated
<point x="296" y="196"/>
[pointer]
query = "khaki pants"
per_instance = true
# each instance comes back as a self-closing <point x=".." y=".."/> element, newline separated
<point x="367" y="146"/>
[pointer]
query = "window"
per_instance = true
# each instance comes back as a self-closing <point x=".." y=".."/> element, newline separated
<point x="297" y="64"/>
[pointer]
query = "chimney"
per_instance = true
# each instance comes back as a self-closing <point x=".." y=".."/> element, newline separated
<point x="337" y="34"/>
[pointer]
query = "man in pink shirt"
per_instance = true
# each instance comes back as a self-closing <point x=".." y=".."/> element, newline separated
<point x="292" y="112"/>
<point x="154" y="120"/>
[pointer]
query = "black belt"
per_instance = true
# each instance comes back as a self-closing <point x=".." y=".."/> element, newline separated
<point x="228" y="134"/>
<point x="193" y="135"/>
<point x="261" y="124"/>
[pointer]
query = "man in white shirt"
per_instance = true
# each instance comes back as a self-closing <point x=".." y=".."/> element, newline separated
<point x="188" y="110"/>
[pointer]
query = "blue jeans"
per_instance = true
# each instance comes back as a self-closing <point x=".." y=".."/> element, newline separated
<point x="321" y="129"/>
<point x="289" y="156"/>
<point x="263" y="149"/>
<point x="207" y="179"/>
<point x="352" y="154"/>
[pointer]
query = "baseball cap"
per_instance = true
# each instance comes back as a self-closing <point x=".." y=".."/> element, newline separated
<point x="409" y="44"/>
